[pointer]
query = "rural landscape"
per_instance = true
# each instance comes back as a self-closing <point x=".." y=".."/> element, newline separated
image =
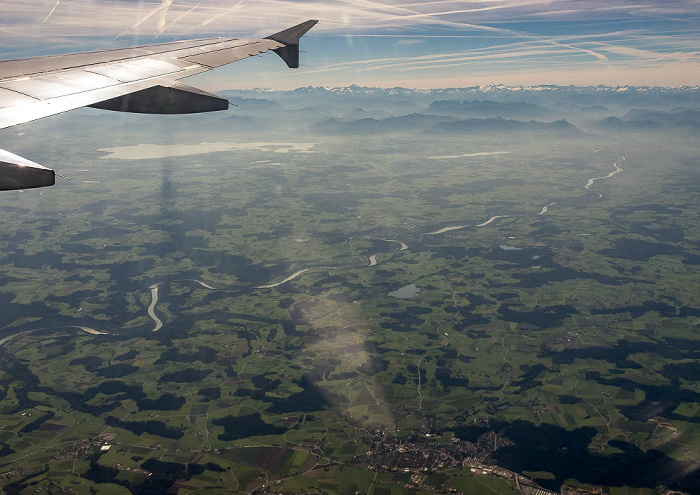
<point x="358" y="290"/>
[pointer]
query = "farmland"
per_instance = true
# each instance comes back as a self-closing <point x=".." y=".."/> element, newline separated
<point x="315" y="316"/>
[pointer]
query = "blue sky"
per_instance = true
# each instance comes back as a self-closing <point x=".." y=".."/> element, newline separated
<point x="440" y="43"/>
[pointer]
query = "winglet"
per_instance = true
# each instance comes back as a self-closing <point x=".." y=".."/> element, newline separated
<point x="292" y="35"/>
<point x="290" y="39"/>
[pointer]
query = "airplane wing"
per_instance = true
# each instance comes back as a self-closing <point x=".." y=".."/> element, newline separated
<point x="142" y="79"/>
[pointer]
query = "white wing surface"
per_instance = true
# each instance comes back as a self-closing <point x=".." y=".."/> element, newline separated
<point x="141" y="79"/>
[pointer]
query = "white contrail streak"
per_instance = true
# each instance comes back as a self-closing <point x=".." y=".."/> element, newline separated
<point x="52" y="11"/>
<point x="162" y="7"/>
<point x="188" y="12"/>
<point x="236" y="7"/>
<point x="163" y="16"/>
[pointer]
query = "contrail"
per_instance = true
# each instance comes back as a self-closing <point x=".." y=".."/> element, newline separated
<point x="236" y="7"/>
<point x="182" y="16"/>
<point x="164" y="12"/>
<point x="164" y="6"/>
<point x="52" y="11"/>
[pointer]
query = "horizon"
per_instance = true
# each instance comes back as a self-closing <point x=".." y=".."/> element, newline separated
<point x="505" y="87"/>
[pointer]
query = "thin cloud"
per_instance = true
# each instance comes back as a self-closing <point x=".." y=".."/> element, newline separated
<point x="409" y="41"/>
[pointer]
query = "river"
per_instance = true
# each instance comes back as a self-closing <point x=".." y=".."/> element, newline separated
<point x="545" y="209"/>
<point x="8" y="338"/>
<point x="492" y="219"/>
<point x="617" y="170"/>
<point x="469" y="155"/>
<point x="4" y="340"/>
<point x="459" y="227"/>
<point x="91" y="331"/>
<point x="447" y="229"/>
<point x="205" y="285"/>
<point x="152" y="307"/>
<point x="404" y="247"/>
<point x="288" y="279"/>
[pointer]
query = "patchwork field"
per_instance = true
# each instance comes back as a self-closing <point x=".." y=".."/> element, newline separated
<point x="391" y="310"/>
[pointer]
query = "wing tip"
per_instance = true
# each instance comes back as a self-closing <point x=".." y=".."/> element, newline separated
<point x="291" y="36"/>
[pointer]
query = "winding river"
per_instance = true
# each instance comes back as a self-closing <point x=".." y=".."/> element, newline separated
<point x="152" y="307"/>
<point x="617" y="170"/>
<point x="545" y="209"/>
<point x="404" y="247"/>
<point x="470" y="155"/>
<point x="5" y="340"/>
<point x="373" y="258"/>
<point x="591" y="181"/>
<point x="205" y="285"/>
<point x="91" y="331"/>
<point x="490" y="220"/>
<point x="8" y="338"/>
<point x="288" y="279"/>
<point x="447" y="229"/>
<point x="459" y="227"/>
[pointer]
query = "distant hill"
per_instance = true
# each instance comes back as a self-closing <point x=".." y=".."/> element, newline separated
<point x="665" y="118"/>
<point x="594" y="111"/>
<point x="240" y="124"/>
<point x="247" y="104"/>
<point x="361" y="113"/>
<point x="653" y="120"/>
<point x="615" y="124"/>
<point x="502" y="125"/>
<point x="439" y="125"/>
<point x="316" y="112"/>
<point x="543" y="95"/>
<point x="584" y="106"/>
<point x="488" y="108"/>
<point x="412" y="122"/>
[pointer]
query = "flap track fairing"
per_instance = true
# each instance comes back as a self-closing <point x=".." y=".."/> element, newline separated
<point x="176" y="99"/>
<point x="19" y="173"/>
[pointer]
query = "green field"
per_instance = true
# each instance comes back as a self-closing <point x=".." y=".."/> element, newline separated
<point x="566" y="332"/>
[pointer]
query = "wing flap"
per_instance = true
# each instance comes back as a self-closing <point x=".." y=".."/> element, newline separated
<point x="133" y="70"/>
<point x="54" y="63"/>
<point x="60" y="84"/>
<point x="227" y="55"/>
<point x="12" y="98"/>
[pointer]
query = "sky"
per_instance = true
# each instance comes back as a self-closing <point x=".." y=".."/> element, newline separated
<point x="389" y="43"/>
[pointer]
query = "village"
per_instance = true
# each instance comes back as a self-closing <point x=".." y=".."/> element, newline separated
<point x="429" y="453"/>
